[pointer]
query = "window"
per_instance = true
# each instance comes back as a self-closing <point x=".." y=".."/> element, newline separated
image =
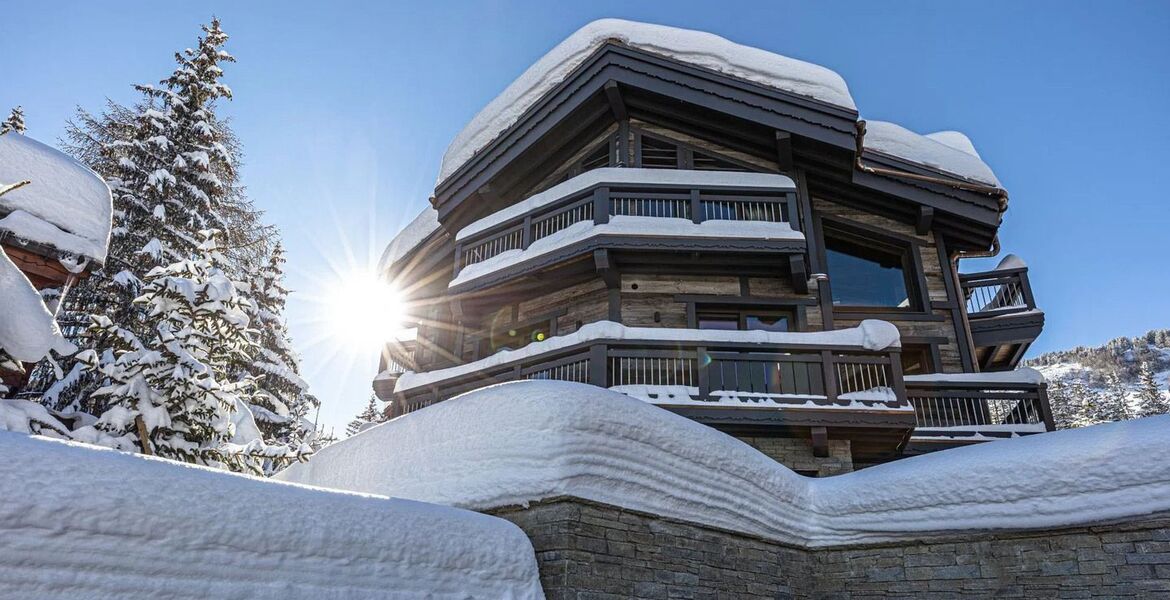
<point x="514" y="337"/>
<point x="916" y="359"/>
<point x="869" y="273"/>
<point x="659" y="154"/>
<point x="744" y="319"/>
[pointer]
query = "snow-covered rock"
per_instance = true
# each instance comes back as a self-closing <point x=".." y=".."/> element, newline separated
<point x="949" y="152"/>
<point x="696" y="48"/>
<point x="82" y="522"/>
<point x="27" y="329"/>
<point x="65" y="205"/>
<point x="522" y="442"/>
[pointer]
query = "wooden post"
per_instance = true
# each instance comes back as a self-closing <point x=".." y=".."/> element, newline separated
<point x="790" y="203"/>
<point x="1026" y="288"/>
<point x="696" y="207"/>
<point x="897" y="380"/>
<point x="829" y="372"/>
<point x="143" y="436"/>
<point x="601" y="206"/>
<point x="598" y="367"/>
<point x="1046" y="408"/>
<point x="526" y="233"/>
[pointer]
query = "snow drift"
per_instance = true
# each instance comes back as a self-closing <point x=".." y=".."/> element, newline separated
<point x="77" y="521"/>
<point x="517" y="443"/>
<point x="65" y="205"/>
<point x="949" y="152"/>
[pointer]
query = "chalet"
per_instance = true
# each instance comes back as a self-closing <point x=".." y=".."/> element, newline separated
<point x="713" y="229"/>
<point x="54" y="230"/>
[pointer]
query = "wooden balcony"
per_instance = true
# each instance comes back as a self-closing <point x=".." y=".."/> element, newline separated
<point x="963" y="410"/>
<point x="1003" y="316"/>
<point x="646" y="210"/>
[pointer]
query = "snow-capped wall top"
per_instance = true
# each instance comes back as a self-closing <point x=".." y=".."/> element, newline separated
<point x="947" y="151"/>
<point x="522" y="442"/>
<point x="1024" y="375"/>
<point x="1011" y="261"/>
<point x="27" y="328"/>
<point x="154" y="528"/>
<point x="423" y="225"/>
<point x="65" y="206"/>
<point x="693" y="47"/>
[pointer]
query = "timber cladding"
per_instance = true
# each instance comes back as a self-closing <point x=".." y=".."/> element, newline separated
<point x="590" y="550"/>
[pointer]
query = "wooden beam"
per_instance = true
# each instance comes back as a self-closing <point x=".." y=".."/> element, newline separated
<point x="784" y="151"/>
<point x="820" y="442"/>
<point x="614" y="95"/>
<point x="925" y="220"/>
<point x="799" y="273"/>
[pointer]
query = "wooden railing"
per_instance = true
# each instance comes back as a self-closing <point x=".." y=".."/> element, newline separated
<point x="988" y="408"/>
<point x="995" y="293"/>
<point x="598" y="204"/>
<point x="795" y="374"/>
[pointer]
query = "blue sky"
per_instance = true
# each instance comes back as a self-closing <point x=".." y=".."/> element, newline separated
<point x="345" y="110"/>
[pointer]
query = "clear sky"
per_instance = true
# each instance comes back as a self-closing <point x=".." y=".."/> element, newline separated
<point x="345" y="109"/>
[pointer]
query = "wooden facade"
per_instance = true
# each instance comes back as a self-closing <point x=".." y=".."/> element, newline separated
<point x="628" y="109"/>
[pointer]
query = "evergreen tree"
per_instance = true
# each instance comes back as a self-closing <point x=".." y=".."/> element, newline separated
<point x="14" y="122"/>
<point x="170" y="391"/>
<point x="1112" y="403"/>
<point x="1082" y="402"/>
<point x="1153" y="400"/>
<point x="371" y="414"/>
<point x="1065" y="409"/>
<point x="172" y="166"/>
<point x="282" y="401"/>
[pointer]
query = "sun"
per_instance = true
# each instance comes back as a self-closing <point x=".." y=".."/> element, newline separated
<point x="365" y="311"/>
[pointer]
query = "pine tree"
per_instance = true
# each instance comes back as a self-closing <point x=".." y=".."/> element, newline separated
<point x="172" y="166"/>
<point x="1153" y="400"/>
<point x="14" y="122"/>
<point x="1112" y="402"/>
<point x="282" y="401"/>
<point x="1065" y="409"/>
<point x="170" y="392"/>
<point x="1082" y="402"/>
<point x="371" y="414"/>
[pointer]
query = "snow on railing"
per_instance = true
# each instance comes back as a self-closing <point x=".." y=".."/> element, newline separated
<point x="980" y="402"/>
<point x="598" y="195"/>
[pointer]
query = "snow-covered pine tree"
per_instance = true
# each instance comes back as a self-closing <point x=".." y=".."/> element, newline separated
<point x="171" y="392"/>
<point x="1082" y="402"/>
<point x="14" y="122"/>
<point x="371" y="414"/>
<point x="1064" y="408"/>
<point x="172" y="166"/>
<point x="1112" y="404"/>
<point x="282" y="401"/>
<point x="1153" y="399"/>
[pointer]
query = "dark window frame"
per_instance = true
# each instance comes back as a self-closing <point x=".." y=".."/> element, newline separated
<point x="912" y="270"/>
<point x="741" y="312"/>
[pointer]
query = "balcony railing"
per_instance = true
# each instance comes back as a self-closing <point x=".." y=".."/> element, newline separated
<point x="719" y="373"/>
<point x="635" y="193"/>
<point x="991" y="409"/>
<point x="995" y="293"/>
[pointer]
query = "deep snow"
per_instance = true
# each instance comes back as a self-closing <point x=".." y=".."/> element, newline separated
<point x="80" y="521"/>
<point x="521" y="442"/>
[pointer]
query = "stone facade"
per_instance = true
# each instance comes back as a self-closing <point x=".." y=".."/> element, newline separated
<point x="797" y="454"/>
<point x="588" y="550"/>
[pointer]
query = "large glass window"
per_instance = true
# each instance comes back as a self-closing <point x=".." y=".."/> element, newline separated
<point x="869" y="273"/>
<point x="746" y="319"/>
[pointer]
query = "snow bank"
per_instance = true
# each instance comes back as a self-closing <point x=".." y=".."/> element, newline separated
<point x="522" y="442"/>
<point x="77" y="521"/>
<point x="671" y="228"/>
<point x="27" y="328"/>
<point x="628" y="176"/>
<point x="869" y="334"/>
<point x="1024" y="375"/>
<point x="943" y="151"/>
<point x="697" y="48"/>
<point x="415" y="232"/>
<point x="65" y="205"/>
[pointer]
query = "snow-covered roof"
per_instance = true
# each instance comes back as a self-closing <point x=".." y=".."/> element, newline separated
<point x="628" y="176"/>
<point x="697" y="48"/>
<point x="948" y="152"/>
<point x="65" y="206"/>
<point x="870" y="334"/>
<point x="27" y="329"/>
<point x="415" y="232"/>
<point x="152" y="528"/>
<point x="522" y="442"/>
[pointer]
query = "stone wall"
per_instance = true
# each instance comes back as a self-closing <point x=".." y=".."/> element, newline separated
<point x="588" y="550"/>
<point x="797" y="454"/>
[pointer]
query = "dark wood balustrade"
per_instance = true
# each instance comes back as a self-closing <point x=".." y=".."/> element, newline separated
<point x="696" y="203"/>
<point x="991" y="409"/>
<point x="996" y="293"/>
